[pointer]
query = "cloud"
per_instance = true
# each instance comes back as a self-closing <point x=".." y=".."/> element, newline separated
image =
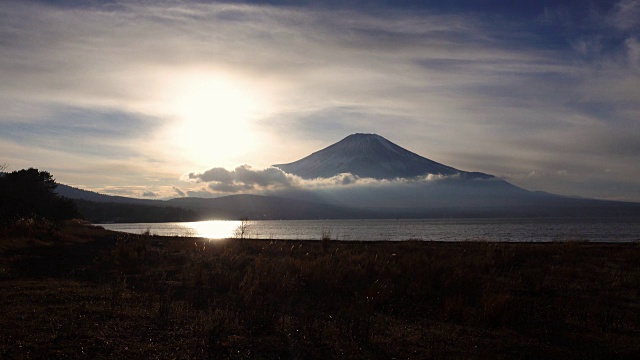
<point x="219" y="187"/>
<point x="262" y="178"/>
<point x="626" y="14"/>
<point x="243" y="178"/>
<point x="201" y="192"/>
<point x="149" y="194"/>
<point x="121" y="191"/>
<point x="94" y="131"/>
<point x="633" y="48"/>
<point x="179" y="192"/>
<point x="588" y="46"/>
<point x="424" y="191"/>
<point x="215" y="174"/>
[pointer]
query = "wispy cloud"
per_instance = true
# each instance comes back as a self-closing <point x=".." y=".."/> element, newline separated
<point x="179" y="192"/>
<point x="626" y="15"/>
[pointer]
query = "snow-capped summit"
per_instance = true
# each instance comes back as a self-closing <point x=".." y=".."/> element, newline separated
<point x="369" y="156"/>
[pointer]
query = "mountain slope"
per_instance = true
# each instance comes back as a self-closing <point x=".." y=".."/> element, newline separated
<point x="81" y="194"/>
<point x="265" y="207"/>
<point x="369" y="156"/>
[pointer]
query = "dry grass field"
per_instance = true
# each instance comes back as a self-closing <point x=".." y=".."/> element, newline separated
<point x="76" y="291"/>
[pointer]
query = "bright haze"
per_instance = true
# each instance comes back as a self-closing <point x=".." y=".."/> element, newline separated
<point x="151" y="99"/>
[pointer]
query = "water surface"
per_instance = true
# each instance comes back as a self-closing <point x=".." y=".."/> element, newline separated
<point x="506" y="230"/>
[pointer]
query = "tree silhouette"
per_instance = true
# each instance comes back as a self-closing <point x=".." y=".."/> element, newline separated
<point x="31" y="192"/>
<point x="242" y="229"/>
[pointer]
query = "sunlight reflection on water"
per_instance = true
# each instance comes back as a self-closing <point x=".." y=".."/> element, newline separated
<point x="525" y="230"/>
<point x="211" y="229"/>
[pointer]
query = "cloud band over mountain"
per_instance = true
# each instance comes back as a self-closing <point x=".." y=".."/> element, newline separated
<point x="245" y="179"/>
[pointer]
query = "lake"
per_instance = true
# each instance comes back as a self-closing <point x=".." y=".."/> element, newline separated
<point x="504" y="229"/>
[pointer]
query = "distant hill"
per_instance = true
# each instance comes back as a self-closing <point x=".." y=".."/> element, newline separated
<point x="121" y="212"/>
<point x="75" y="193"/>
<point x="266" y="207"/>
<point x="101" y="208"/>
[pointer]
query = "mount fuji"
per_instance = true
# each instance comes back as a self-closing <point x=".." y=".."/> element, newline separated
<point x="370" y="156"/>
<point x="407" y="191"/>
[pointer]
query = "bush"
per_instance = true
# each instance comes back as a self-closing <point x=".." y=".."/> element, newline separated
<point x="32" y="227"/>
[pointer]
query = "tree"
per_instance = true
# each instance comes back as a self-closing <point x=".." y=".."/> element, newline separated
<point x="31" y="192"/>
<point x="242" y="229"/>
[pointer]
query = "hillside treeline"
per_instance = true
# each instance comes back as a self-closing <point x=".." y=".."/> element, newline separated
<point x="99" y="212"/>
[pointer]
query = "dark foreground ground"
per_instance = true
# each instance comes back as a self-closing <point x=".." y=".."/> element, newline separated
<point x="79" y="292"/>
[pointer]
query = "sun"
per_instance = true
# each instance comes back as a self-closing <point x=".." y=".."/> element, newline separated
<point x="213" y="117"/>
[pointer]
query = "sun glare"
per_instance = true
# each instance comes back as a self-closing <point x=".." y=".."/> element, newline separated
<point x="213" y="117"/>
<point x="213" y="229"/>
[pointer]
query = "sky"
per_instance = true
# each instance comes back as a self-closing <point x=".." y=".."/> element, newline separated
<point x="141" y="98"/>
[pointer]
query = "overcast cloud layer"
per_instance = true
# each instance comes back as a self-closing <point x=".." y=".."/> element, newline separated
<point x="146" y="99"/>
